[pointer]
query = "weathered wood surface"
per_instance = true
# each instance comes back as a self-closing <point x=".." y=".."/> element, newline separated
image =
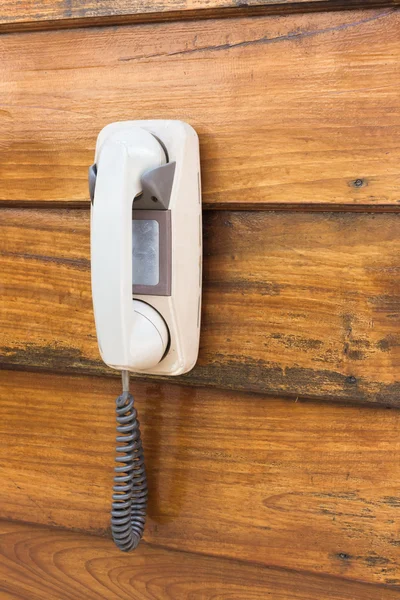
<point x="45" y="564"/>
<point x="291" y="111"/>
<point x="294" y="485"/>
<point x="298" y="304"/>
<point x="21" y="15"/>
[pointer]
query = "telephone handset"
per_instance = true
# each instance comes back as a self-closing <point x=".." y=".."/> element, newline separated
<point x="146" y="261"/>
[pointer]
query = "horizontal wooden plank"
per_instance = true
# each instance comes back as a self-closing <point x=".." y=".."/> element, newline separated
<point x="298" y="110"/>
<point x="37" y="563"/>
<point x="49" y="14"/>
<point x="295" y="304"/>
<point x="292" y="485"/>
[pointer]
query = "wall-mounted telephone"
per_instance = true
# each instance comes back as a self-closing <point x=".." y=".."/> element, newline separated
<point x="146" y="255"/>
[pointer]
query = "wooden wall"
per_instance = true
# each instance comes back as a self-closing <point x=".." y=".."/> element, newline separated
<point x="274" y="466"/>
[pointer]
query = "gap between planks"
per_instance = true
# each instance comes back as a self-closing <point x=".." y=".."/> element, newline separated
<point x="222" y="206"/>
<point x="265" y="577"/>
<point x="241" y="9"/>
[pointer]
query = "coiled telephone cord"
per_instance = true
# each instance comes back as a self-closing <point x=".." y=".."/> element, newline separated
<point x="129" y="500"/>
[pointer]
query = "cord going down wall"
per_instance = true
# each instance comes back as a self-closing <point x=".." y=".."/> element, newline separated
<point x="129" y="500"/>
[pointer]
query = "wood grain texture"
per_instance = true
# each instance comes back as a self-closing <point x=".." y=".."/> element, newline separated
<point x="291" y="111"/>
<point x="293" y="485"/>
<point x="295" y="304"/>
<point x="43" y="564"/>
<point x="50" y="14"/>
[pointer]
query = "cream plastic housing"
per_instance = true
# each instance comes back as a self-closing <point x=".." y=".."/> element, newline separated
<point x="146" y="333"/>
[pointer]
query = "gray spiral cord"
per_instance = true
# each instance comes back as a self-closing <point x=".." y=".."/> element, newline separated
<point x="129" y="501"/>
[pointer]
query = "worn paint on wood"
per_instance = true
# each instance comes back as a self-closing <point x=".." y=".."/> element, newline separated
<point x="296" y="304"/>
<point x="41" y="563"/>
<point x="294" y="485"/>
<point x="291" y="111"/>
